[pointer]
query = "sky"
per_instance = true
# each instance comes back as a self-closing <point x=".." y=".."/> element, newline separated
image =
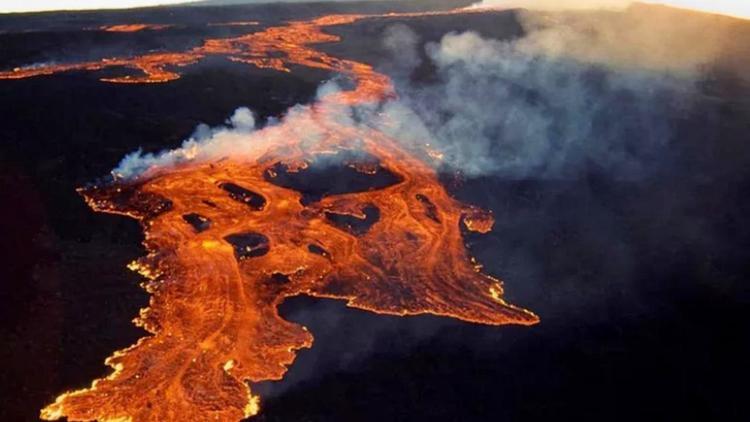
<point x="738" y="8"/>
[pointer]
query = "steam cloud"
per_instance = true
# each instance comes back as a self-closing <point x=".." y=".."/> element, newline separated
<point x="567" y="95"/>
<point x="579" y="90"/>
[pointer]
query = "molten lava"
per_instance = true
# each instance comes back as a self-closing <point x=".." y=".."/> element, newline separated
<point x="265" y="49"/>
<point x="136" y="27"/>
<point x="228" y="240"/>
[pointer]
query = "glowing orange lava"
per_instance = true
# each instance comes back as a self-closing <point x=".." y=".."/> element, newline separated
<point x="227" y="243"/>
<point x="260" y="49"/>
<point x="134" y="27"/>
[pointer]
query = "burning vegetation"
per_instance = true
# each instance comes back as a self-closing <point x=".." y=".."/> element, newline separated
<point x="228" y="240"/>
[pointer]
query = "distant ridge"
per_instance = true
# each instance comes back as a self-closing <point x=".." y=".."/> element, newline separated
<point x="29" y="7"/>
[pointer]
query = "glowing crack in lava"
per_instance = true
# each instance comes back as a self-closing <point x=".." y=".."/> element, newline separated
<point x="230" y="238"/>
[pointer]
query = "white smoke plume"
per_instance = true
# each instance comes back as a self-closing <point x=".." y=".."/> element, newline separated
<point x="580" y="89"/>
<point x="522" y="108"/>
<point x="240" y="137"/>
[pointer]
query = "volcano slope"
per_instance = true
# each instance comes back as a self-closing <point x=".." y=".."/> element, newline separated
<point x="541" y="222"/>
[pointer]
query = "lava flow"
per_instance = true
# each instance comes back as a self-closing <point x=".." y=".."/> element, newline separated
<point x="136" y="27"/>
<point x="260" y="49"/>
<point x="232" y="237"/>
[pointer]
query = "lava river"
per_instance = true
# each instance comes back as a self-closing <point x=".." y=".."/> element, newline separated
<point x="230" y="238"/>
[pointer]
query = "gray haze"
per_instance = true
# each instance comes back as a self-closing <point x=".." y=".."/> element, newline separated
<point x="510" y="109"/>
<point x="569" y="95"/>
